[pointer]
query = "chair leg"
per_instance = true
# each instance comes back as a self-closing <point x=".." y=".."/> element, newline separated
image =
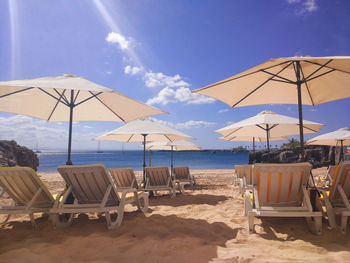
<point x="315" y="224"/>
<point x="60" y="221"/>
<point x="32" y="220"/>
<point x="6" y="219"/>
<point x="344" y="222"/>
<point x="250" y="222"/>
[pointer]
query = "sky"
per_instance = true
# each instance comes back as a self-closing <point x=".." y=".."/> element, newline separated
<point x="157" y="52"/>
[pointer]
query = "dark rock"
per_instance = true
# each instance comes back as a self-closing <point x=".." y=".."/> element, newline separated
<point x="12" y="154"/>
<point x="318" y="156"/>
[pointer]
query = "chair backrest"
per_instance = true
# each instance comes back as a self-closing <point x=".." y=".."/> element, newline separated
<point x="124" y="177"/>
<point x="238" y="170"/>
<point x="21" y="183"/>
<point x="331" y="171"/>
<point x="89" y="183"/>
<point x="181" y="172"/>
<point x="342" y="177"/>
<point x="280" y="183"/>
<point x="158" y="176"/>
<point x="247" y="171"/>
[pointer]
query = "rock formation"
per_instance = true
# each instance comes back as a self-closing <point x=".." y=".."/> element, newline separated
<point x="12" y="154"/>
<point x="318" y="156"/>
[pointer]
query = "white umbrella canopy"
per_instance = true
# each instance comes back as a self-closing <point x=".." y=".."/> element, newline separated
<point x="278" y="125"/>
<point x="135" y="131"/>
<point x="144" y="130"/>
<point x="340" y="137"/>
<point x="69" y="98"/>
<point x="49" y="98"/>
<point x="268" y="124"/>
<point x="181" y="145"/>
<point x="334" y="138"/>
<point x="252" y="139"/>
<point x="293" y="80"/>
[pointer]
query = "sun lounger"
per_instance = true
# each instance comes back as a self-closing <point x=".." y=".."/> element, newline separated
<point x="94" y="191"/>
<point x="279" y="190"/>
<point x="182" y="174"/>
<point x="159" y="179"/>
<point x="237" y="176"/>
<point x="337" y="199"/>
<point x="246" y="182"/>
<point x="125" y="180"/>
<point x="28" y="192"/>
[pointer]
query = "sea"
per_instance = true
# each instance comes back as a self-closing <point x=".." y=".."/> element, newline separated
<point x="49" y="161"/>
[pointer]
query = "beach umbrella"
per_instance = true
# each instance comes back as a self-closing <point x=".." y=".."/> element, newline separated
<point x="69" y="98"/>
<point x="252" y="139"/>
<point x="334" y="138"/>
<point x="144" y="130"/>
<point x="181" y="145"/>
<point x="268" y="124"/>
<point x="293" y="80"/>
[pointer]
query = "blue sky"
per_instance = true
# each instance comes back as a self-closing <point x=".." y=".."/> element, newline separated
<point x="158" y="51"/>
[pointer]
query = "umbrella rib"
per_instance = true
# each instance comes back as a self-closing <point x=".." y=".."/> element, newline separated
<point x="166" y="136"/>
<point x="260" y="86"/>
<point x="233" y="132"/>
<point x="315" y="131"/>
<point x="261" y="127"/>
<point x="53" y="96"/>
<point x="54" y="108"/>
<point x="248" y="74"/>
<point x="76" y="97"/>
<point x="18" y="91"/>
<point x="282" y="79"/>
<point x="130" y="138"/>
<point x="105" y="105"/>
<point x="93" y="96"/>
<point x="325" y="65"/>
<point x="325" y="73"/>
<point x="321" y="67"/>
<point x="307" y="87"/>
<point x="63" y="96"/>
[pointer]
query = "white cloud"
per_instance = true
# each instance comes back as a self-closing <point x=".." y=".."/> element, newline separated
<point x="186" y="125"/>
<point x="223" y="110"/>
<point x="29" y="132"/>
<point x="304" y="6"/>
<point x="129" y="70"/>
<point x="168" y="95"/>
<point x="119" y="39"/>
<point x="154" y="80"/>
<point x="310" y="5"/>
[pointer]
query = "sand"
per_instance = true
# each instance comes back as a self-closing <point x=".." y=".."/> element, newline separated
<point x="203" y="225"/>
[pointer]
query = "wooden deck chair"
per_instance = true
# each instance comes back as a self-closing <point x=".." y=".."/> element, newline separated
<point x="237" y="176"/>
<point x="159" y="179"/>
<point x="247" y="178"/>
<point x="94" y="191"/>
<point x="28" y="192"/>
<point x="125" y="180"/>
<point x="337" y="199"/>
<point x="279" y="190"/>
<point x="182" y="174"/>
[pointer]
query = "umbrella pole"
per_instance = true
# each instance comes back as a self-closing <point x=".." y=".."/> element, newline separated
<point x="253" y="149"/>
<point x="144" y="157"/>
<point x="71" y="106"/>
<point x="171" y="166"/>
<point x="268" y="142"/>
<point x="301" y="130"/>
<point x="149" y="161"/>
<point x="341" y="155"/>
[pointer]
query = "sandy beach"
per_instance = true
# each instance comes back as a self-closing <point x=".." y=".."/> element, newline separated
<point x="203" y="225"/>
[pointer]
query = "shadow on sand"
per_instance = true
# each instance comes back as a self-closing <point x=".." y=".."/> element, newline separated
<point x="155" y="238"/>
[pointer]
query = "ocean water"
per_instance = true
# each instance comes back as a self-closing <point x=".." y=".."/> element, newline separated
<point x="49" y="161"/>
